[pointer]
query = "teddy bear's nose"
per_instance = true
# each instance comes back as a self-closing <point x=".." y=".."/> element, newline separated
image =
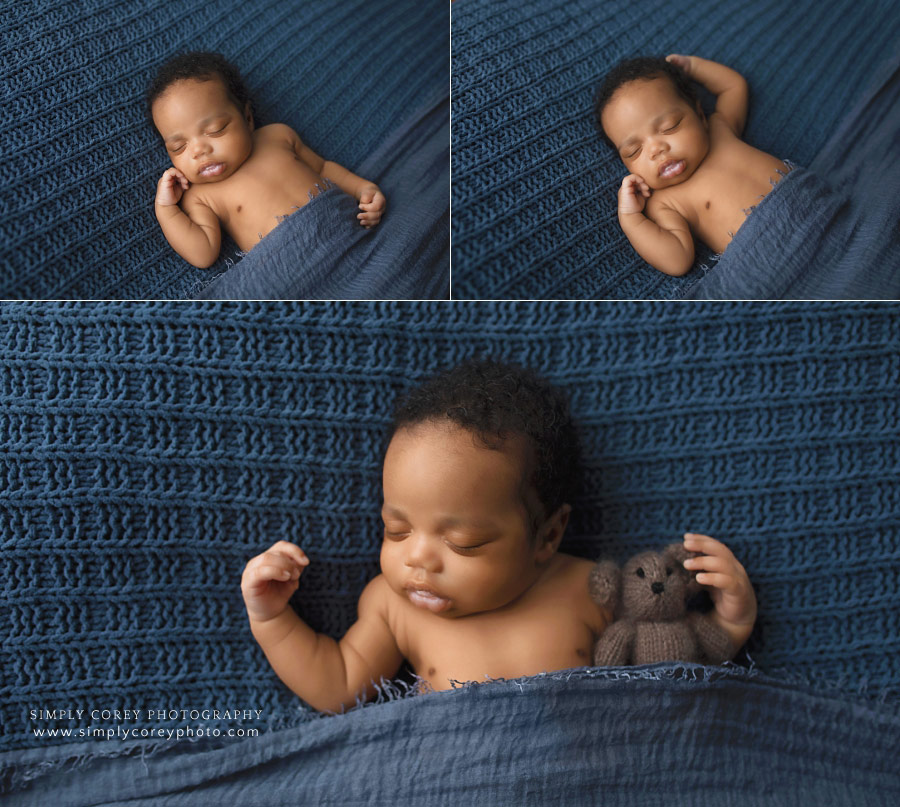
<point x="657" y="588"/>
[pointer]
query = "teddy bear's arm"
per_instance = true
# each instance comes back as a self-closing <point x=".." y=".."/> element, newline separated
<point x="713" y="640"/>
<point x="613" y="648"/>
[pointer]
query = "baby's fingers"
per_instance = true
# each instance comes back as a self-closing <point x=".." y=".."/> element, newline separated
<point x="725" y="582"/>
<point x="291" y="550"/>
<point x="684" y="62"/>
<point x="707" y="545"/>
<point x="283" y="561"/>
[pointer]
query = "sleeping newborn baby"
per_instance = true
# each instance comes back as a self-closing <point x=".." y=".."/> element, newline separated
<point x="226" y="172"/>
<point x="688" y="174"/>
<point x="476" y="478"/>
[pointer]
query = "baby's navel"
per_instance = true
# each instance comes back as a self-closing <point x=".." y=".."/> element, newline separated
<point x="239" y="207"/>
<point x="707" y="206"/>
<point x="431" y="671"/>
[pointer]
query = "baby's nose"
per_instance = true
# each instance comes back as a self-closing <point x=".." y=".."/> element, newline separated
<point x="657" y="588"/>
<point x="421" y="554"/>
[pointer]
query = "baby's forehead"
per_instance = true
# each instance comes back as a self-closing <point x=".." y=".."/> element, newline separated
<point x="655" y="91"/>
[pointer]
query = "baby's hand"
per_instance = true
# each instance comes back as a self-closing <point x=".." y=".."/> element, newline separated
<point x="271" y="578"/>
<point x="371" y="202"/>
<point x="170" y="187"/>
<point x="632" y="194"/>
<point x="684" y="62"/>
<point x="730" y="587"/>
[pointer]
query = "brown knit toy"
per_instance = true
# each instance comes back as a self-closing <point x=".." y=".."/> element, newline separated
<point x="648" y="598"/>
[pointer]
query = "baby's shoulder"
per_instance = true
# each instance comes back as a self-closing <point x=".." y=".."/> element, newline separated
<point x="720" y="131"/>
<point x="573" y="575"/>
<point x="275" y="132"/>
<point x="375" y="595"/>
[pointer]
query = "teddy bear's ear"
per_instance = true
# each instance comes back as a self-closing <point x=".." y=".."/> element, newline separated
<point x="603" y="584"/>
<point x="677" y="554"/>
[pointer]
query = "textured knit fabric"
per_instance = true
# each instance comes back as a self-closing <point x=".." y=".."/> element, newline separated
<point x="322" y="252"/>
<point x="81" y="162"/>
<point x="670" y="734"/>
<point x="534" y="187"/>
<point x="148" y="450"/>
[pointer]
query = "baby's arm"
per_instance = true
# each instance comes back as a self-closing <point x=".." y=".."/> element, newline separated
<point x="368" y="194"/>
<point x="193" y="232"/>
<point x="327" y="674"/>
<point x="662" y="238"/>
<point x="729" y="85"/>
<point x="728" y="584"/>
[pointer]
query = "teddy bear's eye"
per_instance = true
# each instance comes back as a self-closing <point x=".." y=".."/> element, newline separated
<point x="639" y="572"/>
<point x="668" y="571"/>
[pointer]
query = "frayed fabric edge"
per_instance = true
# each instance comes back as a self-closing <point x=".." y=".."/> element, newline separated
<point x="675" y="290"/>
<point x="18" y="774"/>
<point x="233" y="260"/>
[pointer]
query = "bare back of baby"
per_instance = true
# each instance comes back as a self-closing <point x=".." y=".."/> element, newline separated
<point x="272" y="182"/>
<point x="552" y="626"/>
<point x="732" y="178"/>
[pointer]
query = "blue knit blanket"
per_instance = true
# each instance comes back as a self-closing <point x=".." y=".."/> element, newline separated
<point x="534" y="188"/>
<point x="321" y="251"/>
<point x="666" y="734"/>
<point x="81" y="162"/>
<point x="148" y="450"/>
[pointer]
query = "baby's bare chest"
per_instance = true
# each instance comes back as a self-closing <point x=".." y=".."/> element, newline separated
<point x="717" y="199"/>
<point x="273" y="182"/>
<point x="511" y="645"/>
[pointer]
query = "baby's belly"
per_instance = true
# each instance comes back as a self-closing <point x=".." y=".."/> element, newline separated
<point x="717" y="224"/>
<point x="249" y="225"/>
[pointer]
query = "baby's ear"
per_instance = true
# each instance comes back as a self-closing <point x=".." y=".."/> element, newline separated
<point x="550" y="533"/>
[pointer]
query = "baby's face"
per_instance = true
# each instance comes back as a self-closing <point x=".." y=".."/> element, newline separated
<point x="659" y="136"/>
<point x="457" y="532"/>
<point x="206" y="135"/>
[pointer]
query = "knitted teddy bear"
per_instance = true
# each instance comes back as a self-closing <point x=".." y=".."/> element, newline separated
<point x="648" y="598"/>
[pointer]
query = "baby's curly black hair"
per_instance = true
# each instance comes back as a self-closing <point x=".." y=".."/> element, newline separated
<point x="495" y="400"/>
<point x="199" y="64"/>
<point x="641" y="67"/>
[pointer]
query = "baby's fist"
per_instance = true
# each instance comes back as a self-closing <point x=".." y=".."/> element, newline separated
<point x="371" y="202"/>
<point x="633" y="194"/>
<point x="172" y="184"/>
<point x="684" y="62"/>
<point x="271" y="578"/>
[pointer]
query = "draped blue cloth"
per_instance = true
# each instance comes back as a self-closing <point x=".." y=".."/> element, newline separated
<point x="667" y="733"/>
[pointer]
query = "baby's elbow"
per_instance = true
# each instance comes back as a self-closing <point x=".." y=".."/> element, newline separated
<point x="201" y="264"/>
<point x="203" y="260"/>
<point x="677" y="268"/>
